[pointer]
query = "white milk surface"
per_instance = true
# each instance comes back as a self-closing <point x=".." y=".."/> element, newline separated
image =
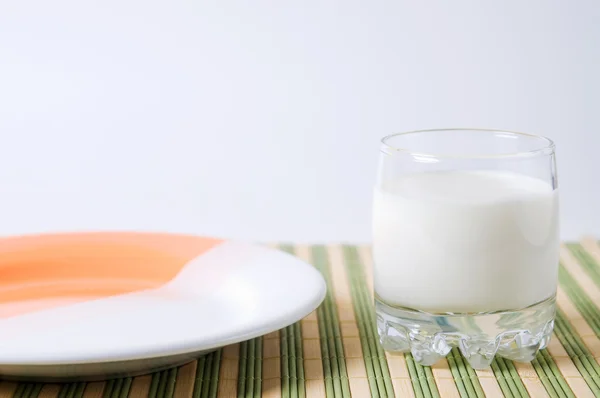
<point x="465" y="241"/>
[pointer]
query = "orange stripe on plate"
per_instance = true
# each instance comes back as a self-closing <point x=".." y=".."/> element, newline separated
<point x="46" y="271"/>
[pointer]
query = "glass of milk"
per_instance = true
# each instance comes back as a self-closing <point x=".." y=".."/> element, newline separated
<point x="465" y="244"/>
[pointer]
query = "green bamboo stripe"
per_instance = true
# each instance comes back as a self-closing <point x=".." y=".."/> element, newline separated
<point x="74" y="390"/>
<point x="578" y="352"/>
<point x="20" y="391"/>
<point x="67" y="390"/>
<point x="28" y="390"/>
<point x="332" y="349"/>
<point x="242" y="369"/>
<point x="292" y="360"/>
<point x="126" y="388"/>
<point x="458" y="380"/>
<point x="580" y="299"/>
<point x="539" y="368"/>
<point x="586" y="261"/>
<point x="421" y="378"/>
<point x="250" y="368"/>
<point x="160" y="386"/>
<point x="285" y="363"/>
<point x="258" y="354"/>
<point x="36" y="388"/>
<point x="289" y="341"/>
<point x="378" y="373"/>
<point x="62" y="392"/>
<point x="116" y="388"/>
<point x="158" y="382"/>
<point x="32" y="390"/>
<point x="207" y="375"/>
<point x="23" y="390"/>
<point x="414" y="376"/>
<point x="504" y="384"/>
<point x="199" y="378"/>
<point x="516" y="379"/>
<point x="513" y="385"/>
<point x="299" y="359"/>
<point x="501" y="381"/>
<point x="35" y="391"/>
<point x="426" y="376"/>
<point x="550" y="376"/>
<point x="214" y="380"/>
<point x="80" y="390"/>
<point x="169" y="387"/>
<point x="464" y="376"/>
<point x="550" y="367"/>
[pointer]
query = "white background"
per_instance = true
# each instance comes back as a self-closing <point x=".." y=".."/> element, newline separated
<point x="261" y="120"/>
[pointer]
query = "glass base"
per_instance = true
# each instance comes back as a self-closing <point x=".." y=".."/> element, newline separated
<point x="517" y="335"/>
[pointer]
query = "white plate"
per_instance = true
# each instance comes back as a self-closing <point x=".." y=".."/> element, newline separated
<point x="97" y="305"/>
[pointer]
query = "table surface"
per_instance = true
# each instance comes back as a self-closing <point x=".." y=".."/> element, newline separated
<point x="334" y="351"/>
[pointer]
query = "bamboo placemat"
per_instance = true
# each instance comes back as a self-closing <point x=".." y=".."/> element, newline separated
<point x="334" y="351"/>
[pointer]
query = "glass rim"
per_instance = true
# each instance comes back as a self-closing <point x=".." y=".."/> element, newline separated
<point x="546" y="148"/>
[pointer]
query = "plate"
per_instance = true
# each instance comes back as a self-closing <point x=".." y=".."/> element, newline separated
<point x="100" y="305"/>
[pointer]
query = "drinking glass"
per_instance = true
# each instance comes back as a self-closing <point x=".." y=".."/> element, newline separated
<point x="465" y="244"/>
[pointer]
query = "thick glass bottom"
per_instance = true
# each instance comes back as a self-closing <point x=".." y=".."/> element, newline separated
<point x="516" y="334"/>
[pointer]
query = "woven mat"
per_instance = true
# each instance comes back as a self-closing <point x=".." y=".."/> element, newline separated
<point x="334" y="351"/>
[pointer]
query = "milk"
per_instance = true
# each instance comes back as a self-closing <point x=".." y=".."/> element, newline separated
<point x="465" y="241"/>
